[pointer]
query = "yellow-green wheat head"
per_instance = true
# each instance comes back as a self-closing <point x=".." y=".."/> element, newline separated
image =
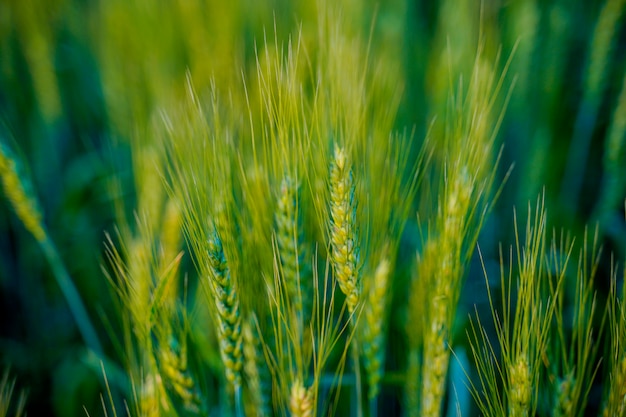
<point x="343" y="228"/>
<point x="19" y="192"/>
<point x="226" y="299"/>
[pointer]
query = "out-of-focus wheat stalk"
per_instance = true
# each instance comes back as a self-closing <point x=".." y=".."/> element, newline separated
<point x="6" y="396"/>
<point x="19" y="191"/>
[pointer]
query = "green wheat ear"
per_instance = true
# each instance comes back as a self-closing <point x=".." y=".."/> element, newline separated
<point x="301" y="400"/>
<point x="178" y="379"/>
<point x="343" y="233"/>
<point x="255" y="369"/>
<point x="373" y="335"/>
<point x="19" y="192"/>
<point x="227" y="303"/>
<point x="520" y="387"/>
<point x="290" y="247"/>
<point x="565" y="392"/>
<point x="510" y="385"/>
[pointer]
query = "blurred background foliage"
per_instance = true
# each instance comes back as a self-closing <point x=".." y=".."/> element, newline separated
<point x="80" y="78"/>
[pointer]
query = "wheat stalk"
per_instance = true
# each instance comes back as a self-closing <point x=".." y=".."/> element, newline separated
<point x="19" y="193"/>
<point x="564" y="404"/>
<point x="412" y="387"/>
<point x="6" y="393"/>
<point x="595" y="85"/>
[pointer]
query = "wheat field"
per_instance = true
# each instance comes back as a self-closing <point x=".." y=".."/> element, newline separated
<point x="312" y="208"/>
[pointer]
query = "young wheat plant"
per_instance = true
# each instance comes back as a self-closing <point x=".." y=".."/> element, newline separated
<point x="522" y="329"/>
<point x="615" y="391"/>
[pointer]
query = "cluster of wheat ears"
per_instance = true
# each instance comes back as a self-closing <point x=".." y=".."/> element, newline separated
<point x="265" y="263"/>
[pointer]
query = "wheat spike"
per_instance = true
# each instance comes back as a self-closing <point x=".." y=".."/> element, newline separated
<point x="373" y="337"/>
<point x="178" y="379"/>
<point x="436" y="359"/>
<point x="438" y="267"/>
<point x="412" y="386"/>
<point x="227" y="304"/>
<point x="520" y="389"/>
<point x="289" y="241"/>
<point x="19" y="193"/>
<point x="255" y="369"/>
<point x="442" y="265"/>
<point x="564" y="405"/>
<point x="345" y="246"/>
<point x="301" y="400"/>
<point x="6" y="393"/>
<point x="147" y="399"/>
<point x="616" y="401"/>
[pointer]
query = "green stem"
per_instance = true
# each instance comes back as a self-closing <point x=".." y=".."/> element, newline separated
<point x="357" y="375"/>
<point x="77" y="308"/>
<point x="238" y="402"/>
<point x="374" y="406"/>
